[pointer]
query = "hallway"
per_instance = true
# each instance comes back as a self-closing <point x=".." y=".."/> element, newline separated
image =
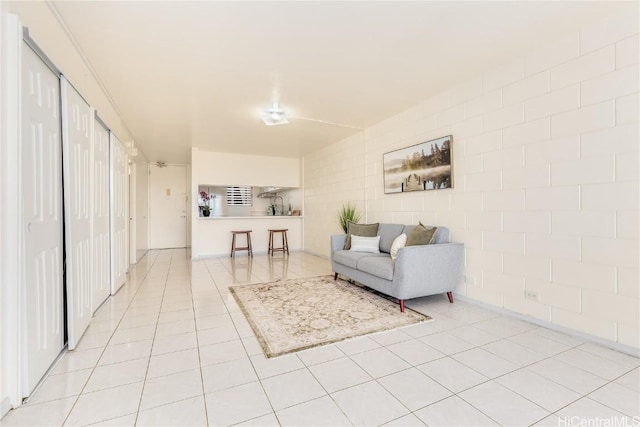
<point x="172" y="348"/>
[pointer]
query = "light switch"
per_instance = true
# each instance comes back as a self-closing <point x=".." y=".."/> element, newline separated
<point x="168" y="192"/>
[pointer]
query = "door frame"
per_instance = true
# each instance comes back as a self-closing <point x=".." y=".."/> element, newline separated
<point x="186" y="202"/>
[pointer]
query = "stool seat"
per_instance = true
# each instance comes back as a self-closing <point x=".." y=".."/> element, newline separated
<point x="248" y="248"/>
<point x="285" y="242"/>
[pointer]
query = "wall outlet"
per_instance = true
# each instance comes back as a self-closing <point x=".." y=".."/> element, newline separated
<point x="532" y="295"/>
<point x="469" y="280"/>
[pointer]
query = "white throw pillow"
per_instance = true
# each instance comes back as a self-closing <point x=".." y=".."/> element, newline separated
<point x="398" y="243"/>
<point x="365" y="244"/>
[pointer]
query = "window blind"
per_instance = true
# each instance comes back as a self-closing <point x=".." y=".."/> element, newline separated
<point x="239" y="196"/>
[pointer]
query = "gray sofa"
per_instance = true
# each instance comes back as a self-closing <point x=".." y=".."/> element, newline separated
<point x="416" y="272"/>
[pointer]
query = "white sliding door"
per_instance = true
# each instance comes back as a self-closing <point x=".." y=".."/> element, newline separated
<point x="133" y="218"/>
<point x="101" y="254"/>
<point x="142" y="208"/>
<point x="77" y="122"/>
<point x="119" y="214"/>
<point x="41" y="188"/>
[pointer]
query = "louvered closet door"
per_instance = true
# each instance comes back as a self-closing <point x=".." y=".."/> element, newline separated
<point x="101" y="255"/>
<point x="41" y="188"/>
<point x="77" y="163"/>
<point x="119" y="214"/>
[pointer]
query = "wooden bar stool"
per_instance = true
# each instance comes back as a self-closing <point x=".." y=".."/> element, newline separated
<point x="285" y="241"/>
<point x="247" y="248"/>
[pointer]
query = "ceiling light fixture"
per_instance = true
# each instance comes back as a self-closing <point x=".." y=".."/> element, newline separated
<point x="275" y="115"/>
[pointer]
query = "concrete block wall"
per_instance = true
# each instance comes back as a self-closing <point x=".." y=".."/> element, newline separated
<point x="546" y="180"/>
<point x="332" y="176"/>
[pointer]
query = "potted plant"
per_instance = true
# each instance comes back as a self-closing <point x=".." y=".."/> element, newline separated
<point x="206" y="208"/>
<point x="347" y="213"/>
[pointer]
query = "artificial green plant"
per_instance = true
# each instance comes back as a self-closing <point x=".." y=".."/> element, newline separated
<point x="346" y="213"/>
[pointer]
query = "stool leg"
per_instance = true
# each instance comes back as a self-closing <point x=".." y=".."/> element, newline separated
<point x="286" y="242"/>
<point x="233" y="245"/>
<point x="270" y="251"/>
<point x="249" y="244"/>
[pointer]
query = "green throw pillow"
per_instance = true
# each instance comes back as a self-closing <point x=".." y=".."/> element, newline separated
<point x="362" y="230"/>
<point x="421" y="235"/>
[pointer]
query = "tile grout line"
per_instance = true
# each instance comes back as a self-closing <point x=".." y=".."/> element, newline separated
<point x="235" y="326"/>
<point x="582" y="396"/>
<point x="195" y="323"/>
<point x="575" y="346"/>
<point x="499" y="338"/>
<point x="105" y="347"/>
<point x="153" y="339"/>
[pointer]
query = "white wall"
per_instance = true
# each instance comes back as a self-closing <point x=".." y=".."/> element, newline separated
<point x="332" y="176"/>
<point x="214" y="168"/>
<point x="545" y="197"/>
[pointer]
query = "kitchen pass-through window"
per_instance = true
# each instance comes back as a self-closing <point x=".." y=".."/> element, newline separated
<point x="239" y="196"/>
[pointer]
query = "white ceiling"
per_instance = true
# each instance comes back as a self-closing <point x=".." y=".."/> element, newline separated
<point x="197" y="74"/>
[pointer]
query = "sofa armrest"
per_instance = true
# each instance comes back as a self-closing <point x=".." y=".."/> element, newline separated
<point x="337" y="242"/>
<point x="436" y="267"/>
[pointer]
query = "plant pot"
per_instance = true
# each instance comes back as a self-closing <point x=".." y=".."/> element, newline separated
<point x="206" y="213"/>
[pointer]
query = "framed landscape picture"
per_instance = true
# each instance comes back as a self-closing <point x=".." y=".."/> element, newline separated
<point x="425" y="166"/>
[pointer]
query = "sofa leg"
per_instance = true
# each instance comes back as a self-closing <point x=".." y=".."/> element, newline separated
<point x="335" y="276"/>
<point x="401" y="306"/>
<point x="450" y="296"/>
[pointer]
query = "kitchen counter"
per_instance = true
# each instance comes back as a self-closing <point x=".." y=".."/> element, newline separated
<point x="214" y="233"/>
<point x="251" y="217"/>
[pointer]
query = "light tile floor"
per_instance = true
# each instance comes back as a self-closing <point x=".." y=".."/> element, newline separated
<point x="172" y="348"/>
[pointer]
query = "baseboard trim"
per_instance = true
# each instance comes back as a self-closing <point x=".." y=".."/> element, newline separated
<point x="623" y="348"/>
<point x="306" y="251"/>
<point x="239" y="255"/>
<point x="5" y="407"/>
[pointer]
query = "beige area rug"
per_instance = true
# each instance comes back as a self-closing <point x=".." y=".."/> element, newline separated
<point x="296" y="314"/>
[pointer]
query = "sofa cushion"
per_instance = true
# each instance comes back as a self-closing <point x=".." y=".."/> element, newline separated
<point x="388" y="233"/>
<point x="364" y="230"/>
<point x="378" y="266"/>
<point x="350" y="259"/>
<point x="398" y="243"/>
<point x="407" y="229"/>
<point x="365" y="244"/>
<point x="420" y="235"/>
<point x="441" y="236"/>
